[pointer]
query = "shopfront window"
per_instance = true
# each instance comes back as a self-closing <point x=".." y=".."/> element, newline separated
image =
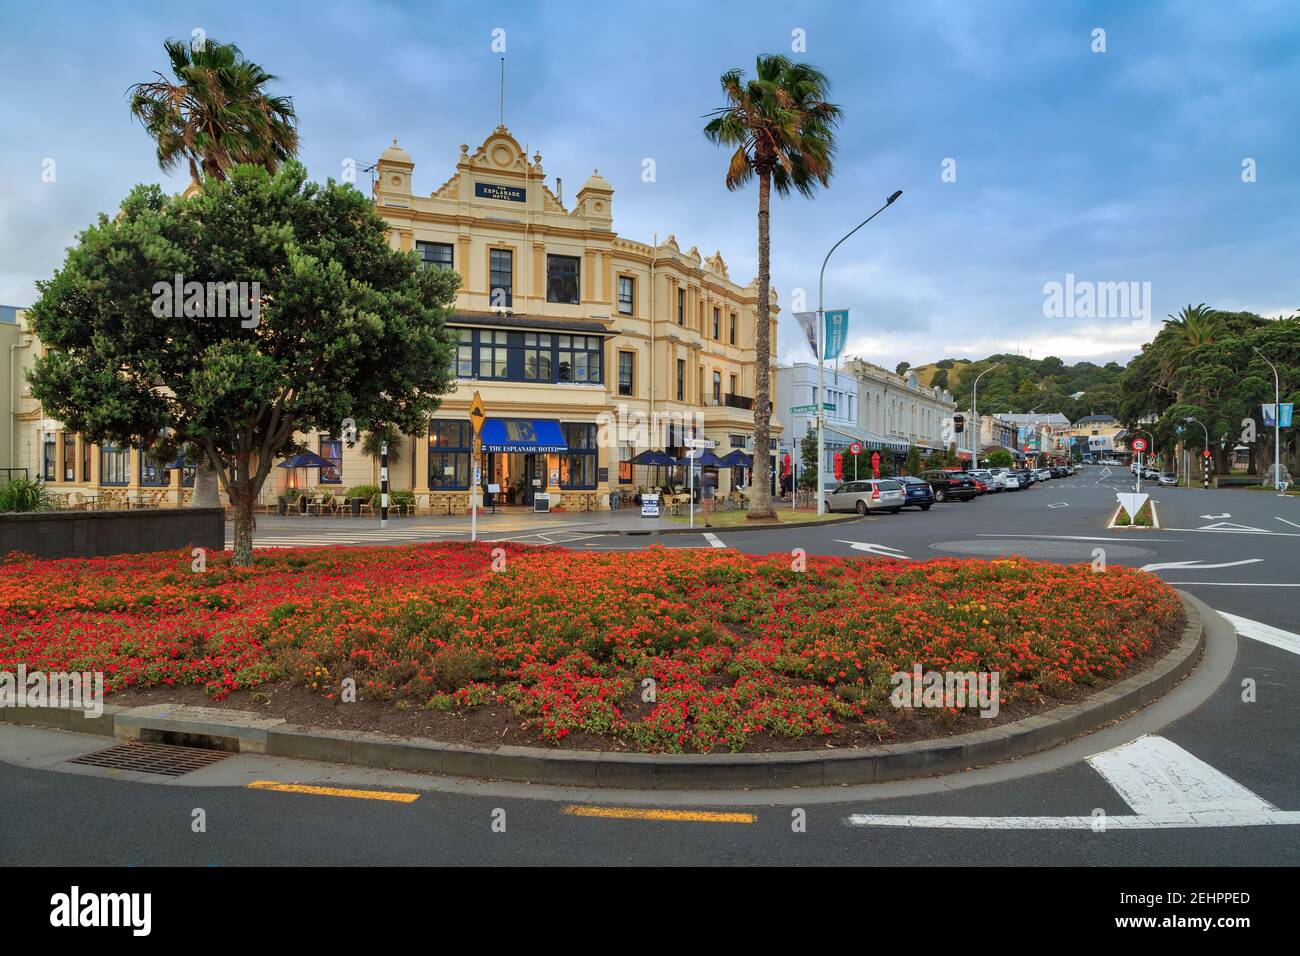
<point x="114" y="465"/>
<point x="449" y="451"/>
<point x="331" y="449"/>
<point x="578" y="464"/>
<point x="47" y="459"/>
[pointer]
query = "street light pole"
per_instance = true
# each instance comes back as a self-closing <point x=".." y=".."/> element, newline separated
<point x="975" y="415"/>
<point x="821" y="355"/>
<point x="1277" y="423"/>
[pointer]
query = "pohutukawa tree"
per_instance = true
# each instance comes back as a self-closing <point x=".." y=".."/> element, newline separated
<point x="294" y="313"/>
<point x="782" y="129"/>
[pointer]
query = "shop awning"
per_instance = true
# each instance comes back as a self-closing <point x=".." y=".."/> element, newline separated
<point x="527" y="435"/>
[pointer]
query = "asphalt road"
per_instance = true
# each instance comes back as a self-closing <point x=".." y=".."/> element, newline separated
<point x="1201" y="747"/>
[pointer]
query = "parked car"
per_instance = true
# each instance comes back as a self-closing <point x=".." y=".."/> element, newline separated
<point x="1169" y="479"/>
<point x="1043" y="474"/>
<point x="1151" y="474"/>
<point x="992" y="482"/>
<point x="1025" y="477"/>
<point x="1060" y="471"/>
<point x="951" y="485"/>
<point x="918" y="491"/>
<point x="1009" y="479"/>
<point x="866" y="496"/>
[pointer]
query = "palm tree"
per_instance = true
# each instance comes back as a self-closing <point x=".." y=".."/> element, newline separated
<point x="782" y="129"/>
<point x="214" y="115"/>
<point x="1193" y="327"/>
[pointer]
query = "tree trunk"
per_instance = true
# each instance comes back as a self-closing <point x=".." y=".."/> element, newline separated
<point x="243" y="502"/>
<point x="206" y="491"/>
<point x="761" y="498"/>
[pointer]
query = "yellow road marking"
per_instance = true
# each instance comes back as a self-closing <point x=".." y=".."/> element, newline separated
<point x="389" y="795"/>
<point x="677" y="816"/>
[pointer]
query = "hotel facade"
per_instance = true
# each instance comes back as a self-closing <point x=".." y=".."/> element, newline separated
<point x="585" y="347"/>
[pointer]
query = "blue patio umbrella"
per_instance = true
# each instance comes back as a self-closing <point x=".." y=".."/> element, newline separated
<point x="654" y="459"/>
<point x="705" y="459"/>
<point x="306" y="459"/>
<point x="737" y="459"/>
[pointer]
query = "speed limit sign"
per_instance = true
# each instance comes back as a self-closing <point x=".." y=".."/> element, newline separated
<point x="1139" y="444"/>
<point x="855" y="449"/>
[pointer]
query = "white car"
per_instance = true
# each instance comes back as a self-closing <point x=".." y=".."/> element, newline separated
<point x="864" y="497"/>
<point x="1044" y="474"/>
<point x="994" y="481"/>
<point x="1169" y="479"/>
<point x="1008" y="481"/>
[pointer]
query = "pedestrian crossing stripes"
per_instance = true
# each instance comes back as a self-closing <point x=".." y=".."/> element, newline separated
<point x="1166" y="786"/>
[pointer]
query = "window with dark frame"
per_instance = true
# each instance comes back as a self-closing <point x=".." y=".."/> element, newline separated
<point x="717" y="388"/>
<point x="562" y="279"/>
<point x="681" y="380"/>
<point x="717" y="324"/>
<point x="465" y="354"/>
<point x="578" y="464"/>
<point x="152" y="474"/>
<point x="626" y="295"/>
<point x="732" y="329"/>
<point x="438" y="254"/>
<point x="69" y="457"/>
<point x="85" y="461"/>
<point x="331" y="449"/>
<point x="48" y="459"/>
<point x="625" y="366"/>
<point x="114" y="465"/>
<point x="578" y="359"/>
<point x="449" y="451"/>
<point x="492" y="353"/>
<point x="501" y="275"/>
<point x="681" y="306"/>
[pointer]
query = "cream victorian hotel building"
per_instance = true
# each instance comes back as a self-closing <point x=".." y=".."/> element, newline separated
<point x="577" y="339"/>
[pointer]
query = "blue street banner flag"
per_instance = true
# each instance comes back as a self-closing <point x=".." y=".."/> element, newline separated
<point x="837" y="333"/>
<point x="1270" y="418"/>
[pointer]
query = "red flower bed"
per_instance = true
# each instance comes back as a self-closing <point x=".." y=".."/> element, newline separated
<point x="731" y="645"/>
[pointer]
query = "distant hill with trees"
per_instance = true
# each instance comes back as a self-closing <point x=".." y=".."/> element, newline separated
<point x="1021" y="384"/>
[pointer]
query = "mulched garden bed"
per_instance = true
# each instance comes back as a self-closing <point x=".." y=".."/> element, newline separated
<point x="551" y="648"/>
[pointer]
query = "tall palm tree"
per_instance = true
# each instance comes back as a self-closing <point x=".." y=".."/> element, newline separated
<point x="1193" y="327"/>
<point x="782" y="129"/>
<point x="215" y="114"/>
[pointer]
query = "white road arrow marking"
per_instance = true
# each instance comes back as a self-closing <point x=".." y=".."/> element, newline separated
<point x="1264" y="633"/>
<point x="1197" y="565"/>
<point x="880" y="549"/>
<point x="1216" y="517"/>
<point x="1164" y="784"/>
<point x="1060" y="504"/>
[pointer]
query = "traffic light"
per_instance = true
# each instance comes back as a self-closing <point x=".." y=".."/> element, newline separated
<point x="958" y="423"/>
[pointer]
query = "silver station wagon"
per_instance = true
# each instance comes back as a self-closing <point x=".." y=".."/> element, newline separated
<point x="864" y="497"/>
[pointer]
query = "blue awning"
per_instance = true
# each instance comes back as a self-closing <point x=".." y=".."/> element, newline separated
<point x="522" y="435"/>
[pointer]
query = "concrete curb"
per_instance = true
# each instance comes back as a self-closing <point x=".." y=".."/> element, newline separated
<point x="246" y="732"/>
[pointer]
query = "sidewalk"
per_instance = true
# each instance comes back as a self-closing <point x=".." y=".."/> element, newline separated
<point x="623" y="521"/>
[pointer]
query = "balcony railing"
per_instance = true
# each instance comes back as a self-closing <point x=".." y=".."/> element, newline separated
<point x="738" y="401"/>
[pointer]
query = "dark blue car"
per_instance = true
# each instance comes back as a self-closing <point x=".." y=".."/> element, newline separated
<point x="918" y="491"/>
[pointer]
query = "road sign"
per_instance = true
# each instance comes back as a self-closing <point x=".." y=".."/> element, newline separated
<point x="1139" y="444"/>
<point x="1206" y="453"/>
<point x="809" y="409"/>
<point x="1131" y="502"/>
<point x="700" y="443"/>
<point x="855" y="449"/>
<point x="477" y="413"/>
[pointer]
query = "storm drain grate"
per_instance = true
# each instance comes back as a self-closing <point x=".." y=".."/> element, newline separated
<point x="161" y="759"/>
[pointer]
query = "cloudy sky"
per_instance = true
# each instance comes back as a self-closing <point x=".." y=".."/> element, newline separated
<point x="1122" y="166"/>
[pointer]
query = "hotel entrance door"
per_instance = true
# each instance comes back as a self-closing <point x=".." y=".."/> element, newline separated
<point x="515" y="472"/>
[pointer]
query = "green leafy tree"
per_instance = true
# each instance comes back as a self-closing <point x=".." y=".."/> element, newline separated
<point x="999" y="458"/>
<point x="808" y="460"/>
<point x="342" y="326"/>
<point x="913" y="459"/>
<point x="782" y="131"/>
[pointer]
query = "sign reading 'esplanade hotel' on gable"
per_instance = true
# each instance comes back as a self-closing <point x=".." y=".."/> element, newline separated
<point x="563" y="325"/>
